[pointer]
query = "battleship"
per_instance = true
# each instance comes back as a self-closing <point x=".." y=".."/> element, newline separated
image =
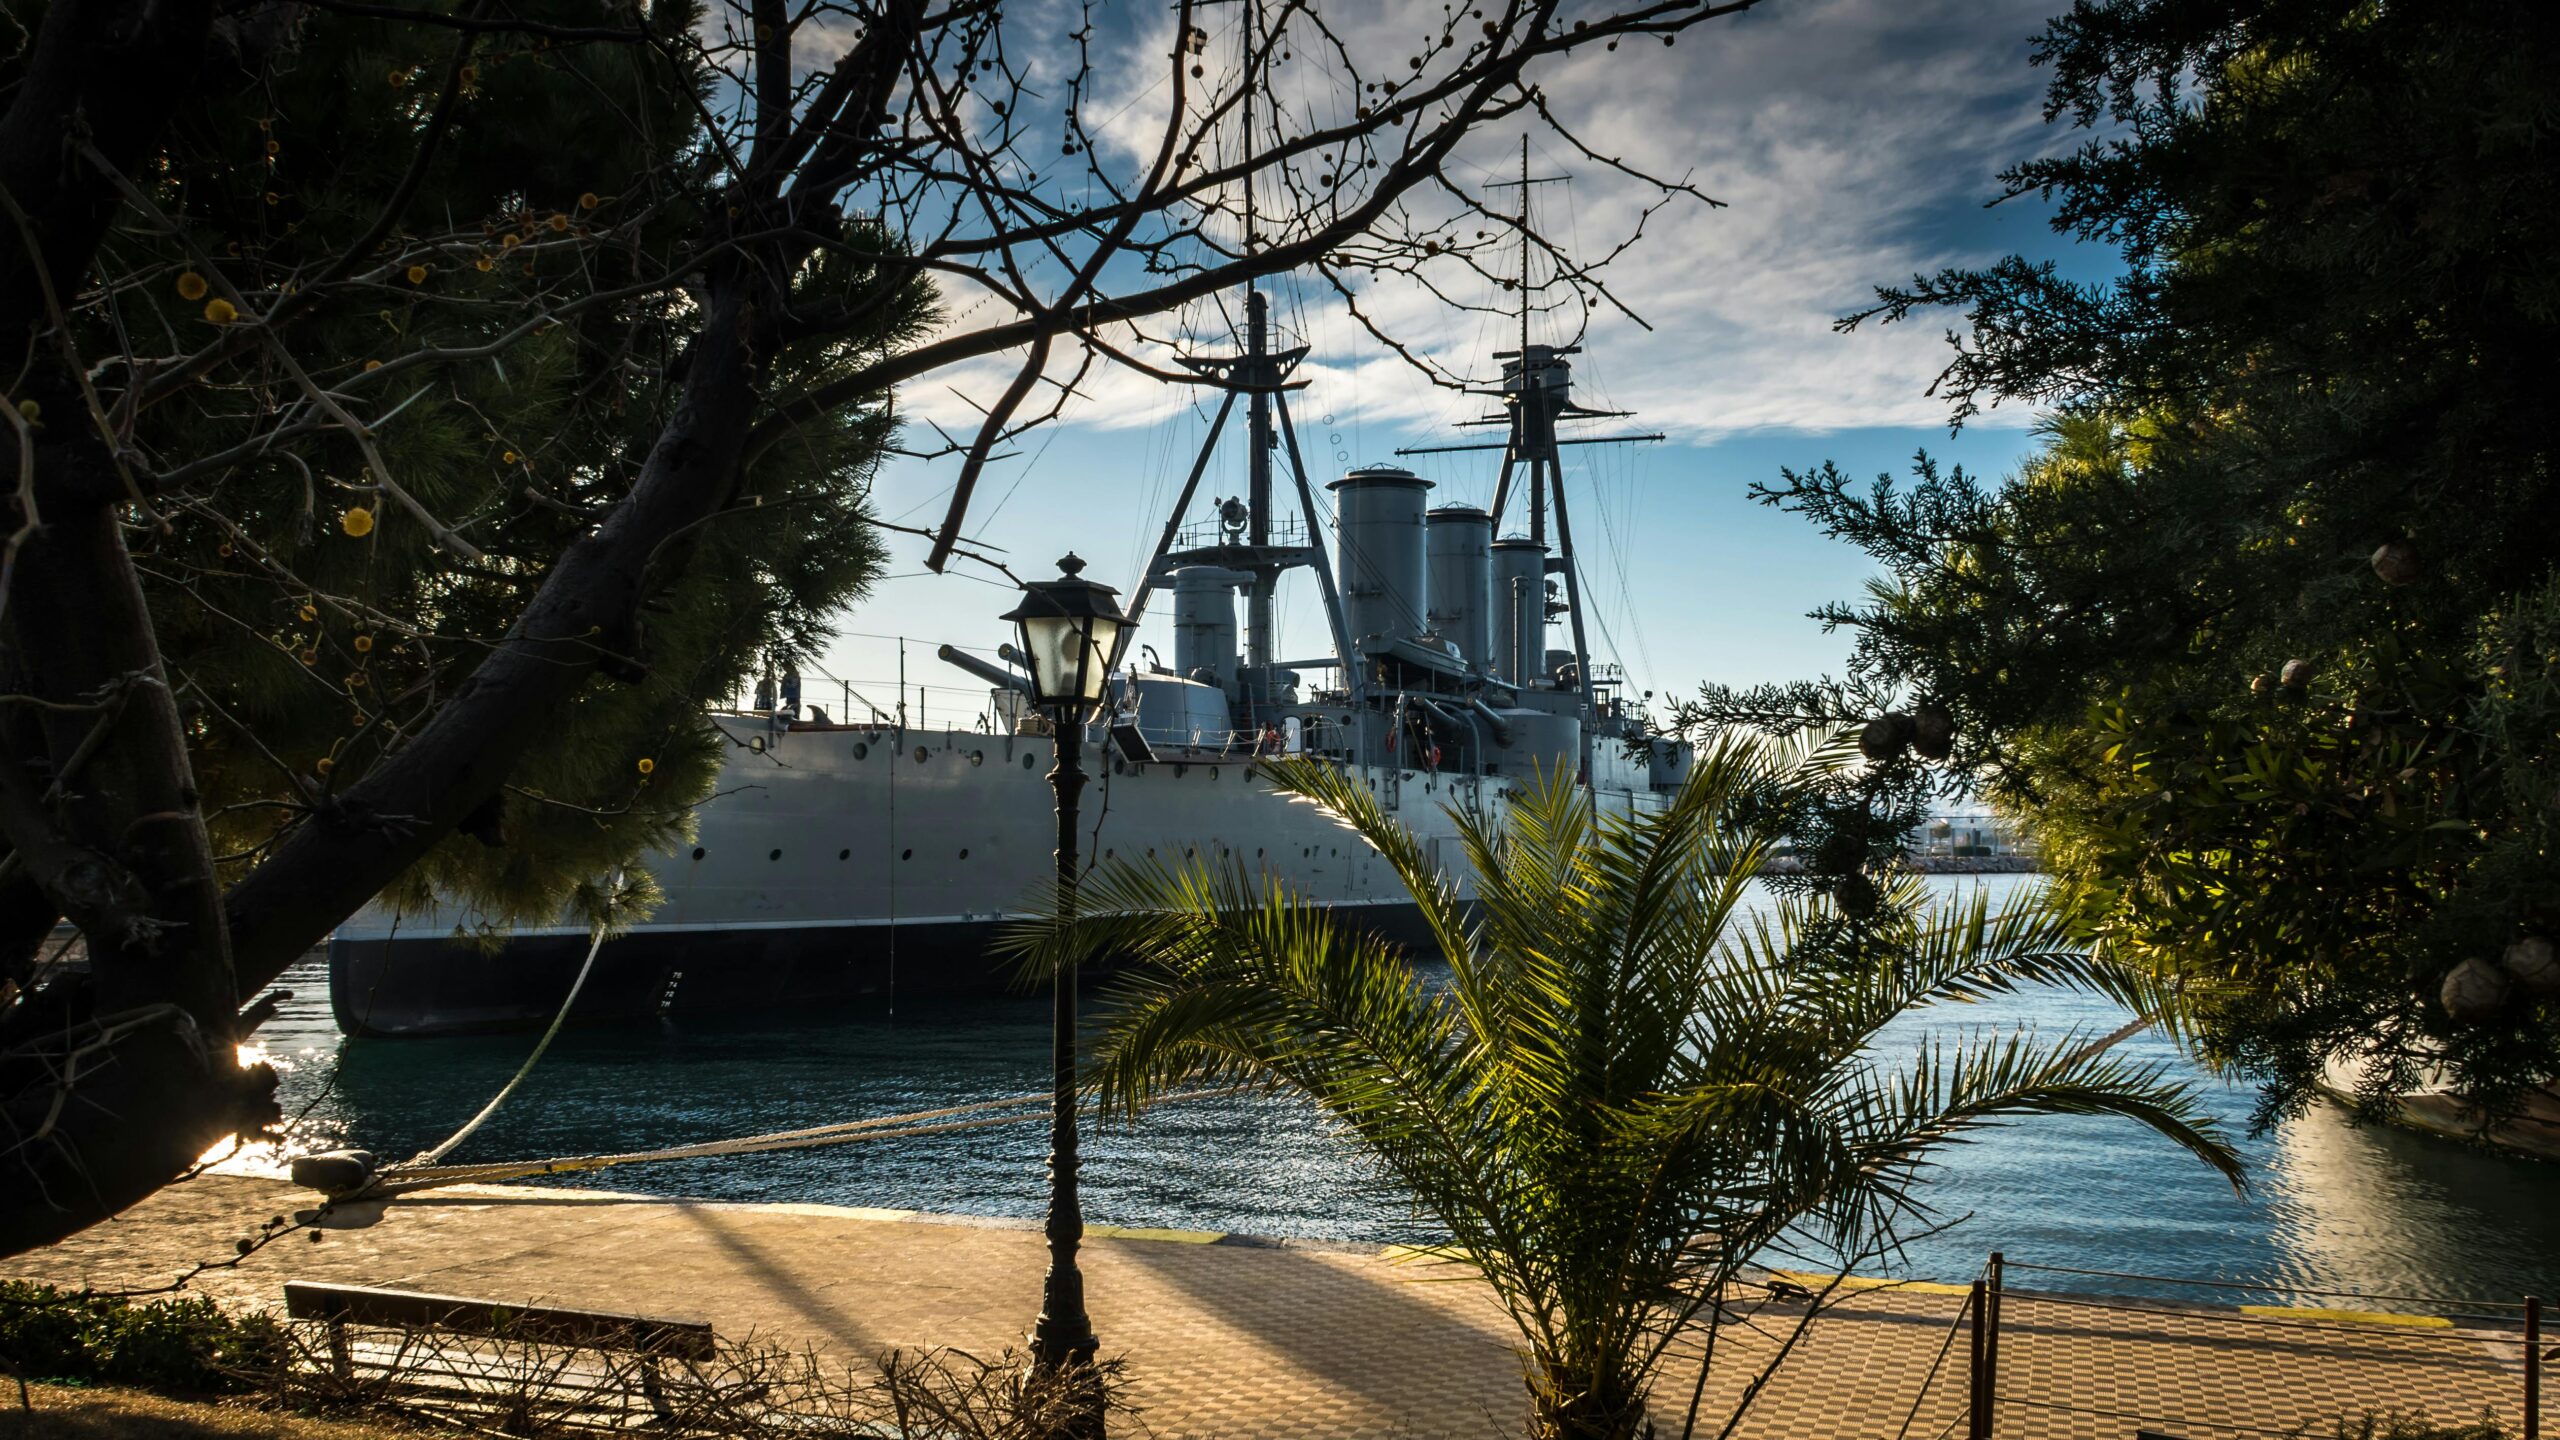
<point x="847" y="862"/>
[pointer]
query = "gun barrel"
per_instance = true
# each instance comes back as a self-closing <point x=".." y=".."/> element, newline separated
<point x="993" y="675"/>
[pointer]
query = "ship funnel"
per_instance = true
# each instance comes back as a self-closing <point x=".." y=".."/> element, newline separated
<point x="1519" y="625"/>
<point x="1204" y="620"/>
<point x="1459" y="541"/>
<point x="1378" y="530"/>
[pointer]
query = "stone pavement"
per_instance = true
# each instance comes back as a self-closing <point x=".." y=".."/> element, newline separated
<point x="1229" y="1338"/>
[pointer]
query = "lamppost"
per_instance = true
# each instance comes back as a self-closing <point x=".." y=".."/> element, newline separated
<point x="1070" y="627"/>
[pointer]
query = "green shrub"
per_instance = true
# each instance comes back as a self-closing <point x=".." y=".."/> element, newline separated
<point x="186" y="1345"/>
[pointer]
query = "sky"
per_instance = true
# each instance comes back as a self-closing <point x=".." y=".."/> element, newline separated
<point x="1852" y="143"/>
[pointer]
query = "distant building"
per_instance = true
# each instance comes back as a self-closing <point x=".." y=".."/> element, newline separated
<point x="1975" y="834"/>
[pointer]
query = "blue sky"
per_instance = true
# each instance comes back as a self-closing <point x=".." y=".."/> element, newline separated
<point x="1852" y="141"/>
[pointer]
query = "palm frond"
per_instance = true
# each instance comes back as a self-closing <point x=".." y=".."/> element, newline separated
<point x="1627" y="1058"/>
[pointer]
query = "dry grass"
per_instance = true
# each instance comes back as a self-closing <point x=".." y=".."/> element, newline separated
<point x="61" y="1412"/>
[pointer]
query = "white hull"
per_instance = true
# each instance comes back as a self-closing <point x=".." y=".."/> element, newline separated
<point x="845" y="864"/>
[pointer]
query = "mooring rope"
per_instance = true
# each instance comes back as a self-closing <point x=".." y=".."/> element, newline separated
<point x="404" y="1179"/>
<point x="424" y="1173"/>
<point x="429" y="1157"/>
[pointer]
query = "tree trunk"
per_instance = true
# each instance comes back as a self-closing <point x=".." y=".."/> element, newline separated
<point x="340" y="858"/>
<point x="1584" y="1401"/>
<point x="96" y="799"/>
<point x="98" y="805"/>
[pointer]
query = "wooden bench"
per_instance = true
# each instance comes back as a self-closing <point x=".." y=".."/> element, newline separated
<point x="652" y="1338"/>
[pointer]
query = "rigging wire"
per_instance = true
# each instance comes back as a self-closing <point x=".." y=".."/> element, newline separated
<point x="1618" y="496"/>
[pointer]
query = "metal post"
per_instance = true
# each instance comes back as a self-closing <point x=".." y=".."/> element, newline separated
<point x="1977" y="1424"/>
<point x="1352" y="680"/>
<point x="1258" y="444"/>
<point x="1063" y="1336"/>
<point x="1582" y="670"/>
<point x="2532" y="1367"/>
<point x="1991" y="1346"/>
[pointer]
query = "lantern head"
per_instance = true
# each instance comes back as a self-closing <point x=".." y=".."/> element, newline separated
<point x="1070" y="629"/>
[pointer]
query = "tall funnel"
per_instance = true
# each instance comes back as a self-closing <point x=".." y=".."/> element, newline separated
<point x="1459" y="539"/>
<point x="1378" y="530"/>
<point x="1519" y="610"/>
<point x="1204" y="620"/>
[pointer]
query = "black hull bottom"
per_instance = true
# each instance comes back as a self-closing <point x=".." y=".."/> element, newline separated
<point x="430" y="985"/>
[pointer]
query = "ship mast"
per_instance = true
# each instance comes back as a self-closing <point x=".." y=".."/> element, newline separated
<point x="1264" y="378"/>
<point x="1257" y="349"/>
<point x="1537" y="393"/>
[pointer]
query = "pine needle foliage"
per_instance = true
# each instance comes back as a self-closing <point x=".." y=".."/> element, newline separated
<point x="1633" y="1081"/>
<point x="2260" y="639"/>
<point x="310" y="618"/>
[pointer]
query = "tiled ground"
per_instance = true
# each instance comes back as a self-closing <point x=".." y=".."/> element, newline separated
<point x="1228" y="1339"/>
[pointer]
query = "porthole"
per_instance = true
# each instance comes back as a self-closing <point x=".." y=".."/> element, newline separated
<point x="977" y="757"/>
<point x="1107" y="854"/>
<point x="964" y="854"/>
<point x="1257" y="854"/>
<point x="844" y="854"/>
<point x="861" y="751"/>
<point x="1213" y="772"/>
<point x="1337" y="854"/>
<point x="906" y="854"/>
<point x="699" y="852"/>
<point x="775" y="855"/>
<point x="921" y="752"/>
<point x="1027" y="758"/>
<point x="1151" y="852"/>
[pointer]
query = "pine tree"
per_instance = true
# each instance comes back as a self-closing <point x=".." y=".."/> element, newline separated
<point x="2263" y="638"/>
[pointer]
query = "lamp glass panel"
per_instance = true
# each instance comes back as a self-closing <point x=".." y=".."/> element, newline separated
<point x="1105" y="637"/>
<point x="1049" y="644"/>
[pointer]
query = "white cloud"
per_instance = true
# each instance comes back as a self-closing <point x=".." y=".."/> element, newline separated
<point x="1848" y="140"/>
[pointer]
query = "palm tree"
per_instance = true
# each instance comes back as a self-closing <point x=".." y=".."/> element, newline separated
<point x="1629" y="1085"/>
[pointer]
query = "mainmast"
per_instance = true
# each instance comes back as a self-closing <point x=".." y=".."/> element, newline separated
<point x="1536" y="394"/>
<point x="1262" y="377"/>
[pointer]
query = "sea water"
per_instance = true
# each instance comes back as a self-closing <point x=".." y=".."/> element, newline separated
<point x="2331" y="1205"/>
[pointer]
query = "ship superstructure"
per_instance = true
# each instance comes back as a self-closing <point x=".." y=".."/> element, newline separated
<point x="847" y="862"/>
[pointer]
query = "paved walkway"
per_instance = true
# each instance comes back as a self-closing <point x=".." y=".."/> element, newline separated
<point x="1234" y="1339"/>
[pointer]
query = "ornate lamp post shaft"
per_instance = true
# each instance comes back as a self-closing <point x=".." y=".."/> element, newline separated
<point x="1064" y="1334"/>
<point x="1070" y="629"/>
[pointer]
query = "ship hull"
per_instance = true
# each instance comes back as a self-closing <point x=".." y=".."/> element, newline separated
<point x="413" y="986"/>
<point x="854" y="866"/>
